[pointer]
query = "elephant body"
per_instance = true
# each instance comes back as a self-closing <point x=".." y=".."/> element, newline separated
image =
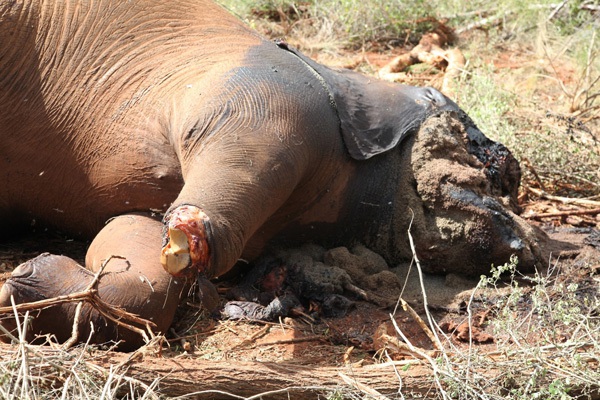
<point x="95" y="125"/>
<point x="138" y="109"/>
<point x="101" y="126"/>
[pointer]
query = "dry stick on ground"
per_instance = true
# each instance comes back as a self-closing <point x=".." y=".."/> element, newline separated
<point x="396" y="346"/>
<point x="285" y="391"/>
<point x="483" y="23"/>
<point x="436" y="370"/>
<point x="565" y="200"/>
<point x="252" y="338"/>
<point x="531" y="169"/>
<point x="187" y="376"/>
<point x="428" y="51"/>
<point x="75" y="330"/>
<point x="111" y="312"/>
<point x="421" y="323"/>
<point x="567" y="213"/>
<point x="496" y="19"/>
<point x="564" y="176"/>
<point x="362" y="387"/>
<point x="440" y="370"/>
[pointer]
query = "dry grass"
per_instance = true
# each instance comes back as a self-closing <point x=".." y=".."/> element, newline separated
<point x="547" y="335"/>
<point x="542" y="101"/>
<point x="547" y="338"/>
<point x="53" y="372"/>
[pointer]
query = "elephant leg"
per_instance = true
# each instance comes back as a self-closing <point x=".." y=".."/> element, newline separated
<point x="127" y="250"/>
<point x="222" y="205"/>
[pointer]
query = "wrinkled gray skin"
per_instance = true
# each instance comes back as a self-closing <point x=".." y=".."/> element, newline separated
<point x="134" y="108"/>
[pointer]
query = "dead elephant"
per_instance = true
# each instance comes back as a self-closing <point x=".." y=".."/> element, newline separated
<point x="115" y="114"/>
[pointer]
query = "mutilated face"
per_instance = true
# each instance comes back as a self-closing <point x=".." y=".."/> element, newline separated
<point x="464" y="203"/>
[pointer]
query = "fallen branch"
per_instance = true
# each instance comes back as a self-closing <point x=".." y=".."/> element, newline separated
<point x="556" y="10"/>
<point x="437" y="371"/>
<point x="531" y="169"/>
<point x="90" y="294"/>
<point x="253" y="338"/>
<point x="422" y="324"/>
<point x="496" y="19"/>
<point x="484" y="23"/>
<point x="75" y="330"/>
<point x="40" y="304"/>
<point x="566" y="213"/>
<point x="564" y="200"/>
<point x="429" y="51"/>
<point x="258" y="396"/>
<point x="362" y="387"/>
<point x="203" y="379"/>
<point x="397" y="347"/>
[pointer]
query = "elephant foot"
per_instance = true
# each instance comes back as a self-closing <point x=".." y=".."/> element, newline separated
<point x="125" y="272"/>
<point x="119" y="288"/>
<point x="186" y="251"/>
<point x="50" y="276"/>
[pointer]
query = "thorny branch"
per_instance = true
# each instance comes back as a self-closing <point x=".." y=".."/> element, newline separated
<point x="90" y="294"/>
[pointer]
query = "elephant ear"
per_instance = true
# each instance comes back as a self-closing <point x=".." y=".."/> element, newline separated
<point x="375" y="116"/>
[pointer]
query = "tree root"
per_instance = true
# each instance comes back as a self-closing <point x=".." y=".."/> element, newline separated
<point x="429" y="51"/>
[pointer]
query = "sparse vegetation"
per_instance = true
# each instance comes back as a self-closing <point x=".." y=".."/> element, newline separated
<point x="29" y="373"/>
<point x="349" y="23"/>
<point x="547" y="334"/>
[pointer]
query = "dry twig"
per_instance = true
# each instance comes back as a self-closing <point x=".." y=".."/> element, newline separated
<point x="421" y="323"/>
<point x="362" y="387"/>
<point x="566" y="213"/>
<point x="565" y="200"/>
<point x="90" y="294"/>
<point x="294" y="340"/>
